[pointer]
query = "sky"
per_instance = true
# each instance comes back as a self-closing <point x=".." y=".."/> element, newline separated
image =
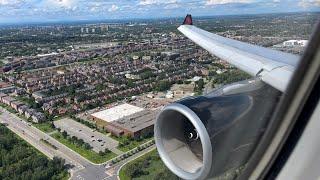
<point x="23" y="11"/>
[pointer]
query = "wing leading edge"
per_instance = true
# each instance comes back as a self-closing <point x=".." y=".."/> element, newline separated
<point x="273" y="67"/>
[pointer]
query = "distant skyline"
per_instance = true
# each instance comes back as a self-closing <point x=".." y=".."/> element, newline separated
<point x="28" y="11"/>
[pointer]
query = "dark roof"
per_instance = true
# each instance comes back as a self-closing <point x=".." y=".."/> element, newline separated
<point x="137" y="121"/>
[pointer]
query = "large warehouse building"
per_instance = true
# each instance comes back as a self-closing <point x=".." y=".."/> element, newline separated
<point x="127" y="120"/>
<point x="103" y="118"/>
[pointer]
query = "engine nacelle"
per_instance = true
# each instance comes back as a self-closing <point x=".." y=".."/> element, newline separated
<point x="204" y="137"/>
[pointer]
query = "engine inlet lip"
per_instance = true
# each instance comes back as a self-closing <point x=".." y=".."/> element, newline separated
<point x="204" y="138"/>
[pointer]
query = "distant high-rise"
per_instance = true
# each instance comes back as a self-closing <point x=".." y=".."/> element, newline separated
<point x="87" y="30"/>
<point x="104" y="28"/>
<point x="82" y="30"/>
<point x="93" y="30"/>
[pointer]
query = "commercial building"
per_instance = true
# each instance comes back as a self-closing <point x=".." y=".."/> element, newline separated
<point x="291" y="43"/>
<point x="126" y="120"/>
<point x="135" y="125"/>
<point x="103" y="118"/>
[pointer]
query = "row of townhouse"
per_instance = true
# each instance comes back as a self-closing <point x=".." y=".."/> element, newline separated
<point x="22" y="109"/>
<point x="36" y="62"/>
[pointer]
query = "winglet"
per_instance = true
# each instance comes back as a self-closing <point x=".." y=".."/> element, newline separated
<point x="188" y="20"/>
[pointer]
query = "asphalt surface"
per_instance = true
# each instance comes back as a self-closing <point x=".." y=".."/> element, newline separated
<point x="97" y="140"/>
<point x="82" y="169"/>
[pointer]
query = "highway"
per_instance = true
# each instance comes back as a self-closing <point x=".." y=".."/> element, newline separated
<point x="82" y="169"/>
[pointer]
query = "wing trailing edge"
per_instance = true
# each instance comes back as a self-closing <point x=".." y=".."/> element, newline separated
<point x="273" y="67"/>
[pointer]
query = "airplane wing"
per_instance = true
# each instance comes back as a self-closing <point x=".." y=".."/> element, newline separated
<point x="273" y="67"/>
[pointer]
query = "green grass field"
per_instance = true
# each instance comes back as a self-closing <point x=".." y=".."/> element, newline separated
<point x="88" y="154"/>
<point x="45" y="127"/>
<point x="148" y="166"/>
<point x="131" y="143"/>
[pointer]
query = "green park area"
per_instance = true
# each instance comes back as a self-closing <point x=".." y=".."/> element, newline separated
<point x="148" y="166"/>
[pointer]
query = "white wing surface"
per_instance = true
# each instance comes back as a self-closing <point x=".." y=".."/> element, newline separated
<point x="273" y="67"/>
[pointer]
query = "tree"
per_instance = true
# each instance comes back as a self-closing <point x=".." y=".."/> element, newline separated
<point x="162" y="85"/>
<point x="65" y="134"/>
<point x="52" y="125"/>
<point x="87" y="146"/>
<point x="200" y="84"/>
<point x="101" y="153"/>
<point x="106" y="151"/>
<point x="135" y="170"/>
<point x="21" y="161"/>
<point x="165" y="174"/>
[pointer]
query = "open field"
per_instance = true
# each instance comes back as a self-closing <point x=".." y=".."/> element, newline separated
<point x="148" y="166"/>
<point x="45" y="127"/>
<point x="129" y="144"/>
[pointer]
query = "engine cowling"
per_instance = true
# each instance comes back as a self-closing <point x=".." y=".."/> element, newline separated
<point x="206" y="136"/>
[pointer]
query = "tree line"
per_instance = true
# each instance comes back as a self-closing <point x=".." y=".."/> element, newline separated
<point x="18" y="160"/>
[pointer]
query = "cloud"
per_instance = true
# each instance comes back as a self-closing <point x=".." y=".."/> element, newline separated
<point x="113" y="8"/>
<point x="172" y="6"/>
<point x="219" y="2"/>
<point x="67" y="4"/>
<point x="156" y="2"/>
<point x="61" y="10"/>
<point x="4" y="2"/>
<point x="11" y="2"/>
<point x="309" y="3"/>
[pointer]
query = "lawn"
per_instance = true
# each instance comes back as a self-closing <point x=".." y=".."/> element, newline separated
<point x="88" y="154"/>
<point x="148" y="166"/>
<point x="45" y="127"/>
<point x="131" y="143"/>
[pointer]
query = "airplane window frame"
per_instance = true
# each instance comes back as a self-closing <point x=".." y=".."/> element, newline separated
<point x="266" y="161"/>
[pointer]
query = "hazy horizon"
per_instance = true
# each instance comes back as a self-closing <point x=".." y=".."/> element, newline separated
<point x="41" y="11"/>
<point x="135" y="20"/>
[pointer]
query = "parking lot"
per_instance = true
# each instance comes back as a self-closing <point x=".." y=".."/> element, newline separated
<point x="97" y="140"/>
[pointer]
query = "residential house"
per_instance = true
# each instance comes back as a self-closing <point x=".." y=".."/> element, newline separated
<point x="7" y="100"/>
<point x="22" y="109"/>
<point x="29" y="112"/>
<point x="38" y="117"/>
<point x="16" y="104"/>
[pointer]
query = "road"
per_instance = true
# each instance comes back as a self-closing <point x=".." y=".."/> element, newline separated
<point x="207" y="88"/>
<point x="82" y="169"/>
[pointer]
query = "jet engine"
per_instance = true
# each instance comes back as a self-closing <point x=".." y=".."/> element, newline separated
<point x="208" y="136"/>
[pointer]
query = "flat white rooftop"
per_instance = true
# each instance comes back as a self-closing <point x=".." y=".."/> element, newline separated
<point x="117" y="112"/>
